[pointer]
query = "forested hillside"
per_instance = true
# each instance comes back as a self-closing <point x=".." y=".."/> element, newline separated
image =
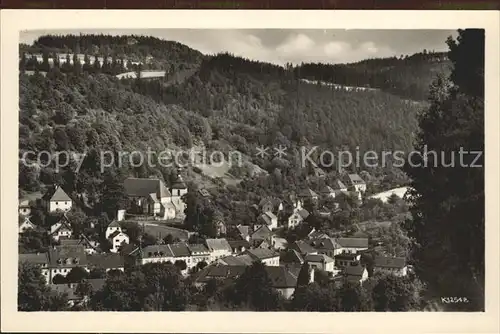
<point x="405" y="76"/>
<point x="222" y="103"/>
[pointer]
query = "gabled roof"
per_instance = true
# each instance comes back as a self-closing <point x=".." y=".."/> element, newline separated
<point x="389" y="262"/>
<point x="262" y="232"/>
<point x="142" y="187"/>
<point x="338" y="185"/>
<point x="180" y="249"/>
<point x="354" y="270"/>
<point x="61" y="225"/>
<point x="327" y="190"/>
<point x="325" y="243"/>
<point x="302" y="247"/>
<point x="106" y="260"/>
<point x="356" y="179"/>
<point x="353" y="242"/>
<point x="268" y="217"/>
<point x="307" y="193"/>
<point x="347" y="256"/>
<point x="291" y="256"/>
<point x="178" y="183"/>
<point x="240" y="260"/>
<point x="27" y="221"/>
<point x="67" y="256"/>
<point x="322" y="258"/>
<point x="280" y="277"/>
<point x="261" y="253"/>
<point x="218" y="244"/>
<point x="115" y="233"/>
<point x="198" y="249"/>
<point x="203" y="192"/>
<point x="156" y="251"/>
<point x="238" y="243"/>
<point x="114" y="223"/>
<point x="275" y="202"/>
<point x="34" y="258"/>
<point x="244" y="230"/>
<point x="57" y="194"/>
<point x="303" y="213"/>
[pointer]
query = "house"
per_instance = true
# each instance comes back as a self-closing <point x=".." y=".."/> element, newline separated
<point x="344" y="260"/>
<point x="244" y="231"/>
<point x="352" y="245"/>
<point x="263" y="233"/>
<point x="297" y="217"/>
<point x="112" y="228"/>
<point x="61" y="229"/>
<point x="270" y="204"/>
<point x="393" y="265"/>
<point x="204" y="193"/>
<point x="357" y="183"/>
<point x="63" y="259"/>
<point x="89" y="246"/>
<point x="155" y="254"/>
<point x="267" y="256"/>
<point x="57" y="200"/>
<point x="355" y="274"/>
<point x="317" y="234"/>
<point x="339" y="187"/>
<point x="239" y="246"/>
<point x="269" y="219"/>
<point x="328" y="192"/>
<point x="181" y="252"/>
<point x="149" y="196"/>
<point x="106" y="262"/>
<point x="302" y="247"/>
<point x="220" y="227"/>
<point x="199" y="253"/>
<point x="25" y="224"/>
<point x="308" y="194"/>
<point x="24" y="208"/>
<point x="117" y="239"/>
<point x="40" y="260"/>
<point x="218" y="248"/>
<point x="327" y="246"/>
<point x="283" y="279"/>
<point x="322" y="262"/>
<point x="278" y="244"/>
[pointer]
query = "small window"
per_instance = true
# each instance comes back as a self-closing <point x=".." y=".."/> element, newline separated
<point x="57" y="203"/>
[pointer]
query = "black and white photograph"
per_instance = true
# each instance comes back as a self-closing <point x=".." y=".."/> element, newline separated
<point x="251" y="170"/>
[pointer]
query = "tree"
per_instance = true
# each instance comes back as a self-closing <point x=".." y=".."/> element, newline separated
<point x="151" y="287"/>
<point x="315" y="298"/>
<point x="59" y="279"/>
<point x="33" y="294"/>
<point x="77" y="275"/>
<point x="304" y="276"/>
<point x="397" y="294"/>
<point x="448" y="202"/>
<point x="354" y="298"/>
<point x="254" y="288"/>
<point x="181" y="264"/>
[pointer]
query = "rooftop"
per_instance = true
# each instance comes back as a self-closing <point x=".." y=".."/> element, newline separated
<point x="389" y="262"/>
<point x="262" y="253"/>
<point x="143" y="187"/>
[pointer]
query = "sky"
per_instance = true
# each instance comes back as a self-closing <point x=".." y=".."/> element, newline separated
<point x="280" y="46"/>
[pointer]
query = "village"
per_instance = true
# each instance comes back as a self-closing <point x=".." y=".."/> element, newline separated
<point x="154" y="204"/>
